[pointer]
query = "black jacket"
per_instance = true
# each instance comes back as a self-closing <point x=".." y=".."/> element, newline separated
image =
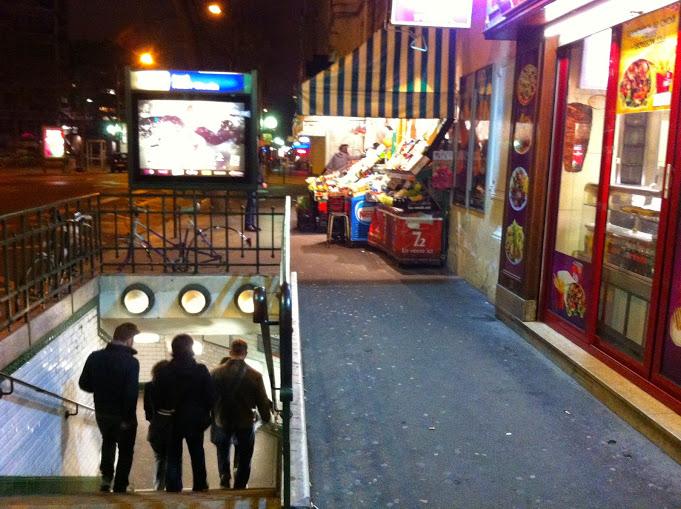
<point x="185" y="386"/>
<point x="236" y="400"/>
<point x="112" y="374"/>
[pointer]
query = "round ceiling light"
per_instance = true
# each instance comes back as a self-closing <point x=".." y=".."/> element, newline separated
<point x="137" y="299"/>
<point x="194" y="299"/>
<point x="244" y="299"/>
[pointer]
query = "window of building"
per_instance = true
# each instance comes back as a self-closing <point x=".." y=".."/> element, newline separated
<point x="473" y="132"/>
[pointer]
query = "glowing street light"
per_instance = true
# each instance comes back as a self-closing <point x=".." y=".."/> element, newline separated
<point x="146" y="58"/>
<point x="215" y="9"/>
<point x="270" y="122"/>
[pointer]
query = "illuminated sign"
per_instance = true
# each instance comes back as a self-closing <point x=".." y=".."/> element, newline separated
<point x="53" y="143"/>
<point x="190" y="81"/>
<point x="432" y="13"/>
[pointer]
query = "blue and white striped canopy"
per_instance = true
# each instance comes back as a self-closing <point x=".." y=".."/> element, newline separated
<point x="387" y="78"/>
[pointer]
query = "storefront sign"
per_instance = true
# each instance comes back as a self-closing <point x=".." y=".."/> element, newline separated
<point x="497" y="10"/>
<point x="519" y="176"/>
<point x="647" y="62"/>
<point x="53" y="143"/>
<point x="432" y="13"/>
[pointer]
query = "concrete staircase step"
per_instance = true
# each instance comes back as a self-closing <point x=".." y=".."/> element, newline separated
<point x="212" y="499"/>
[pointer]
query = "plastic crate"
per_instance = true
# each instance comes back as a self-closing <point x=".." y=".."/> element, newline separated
<point x="337" y="203"/>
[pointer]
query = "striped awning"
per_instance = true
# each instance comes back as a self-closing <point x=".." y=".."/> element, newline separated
<point x="387" y="78"/>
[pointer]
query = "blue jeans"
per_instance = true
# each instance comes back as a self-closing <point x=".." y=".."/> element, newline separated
<point x="244" y="443"/>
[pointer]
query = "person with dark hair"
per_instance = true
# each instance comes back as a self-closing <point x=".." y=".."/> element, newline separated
<point x="340" y="161"/>
<point x="112" y="375"/>
<point x="239" y="389"/>
<point x="184" y="388"/>
<point x="160" y="422"/>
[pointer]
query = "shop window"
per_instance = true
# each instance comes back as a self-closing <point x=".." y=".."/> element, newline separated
<point x="473" y="132"/>
<point x="584" y="121"/>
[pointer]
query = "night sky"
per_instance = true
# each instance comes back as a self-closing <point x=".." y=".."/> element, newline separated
<point x="254" y="34"/>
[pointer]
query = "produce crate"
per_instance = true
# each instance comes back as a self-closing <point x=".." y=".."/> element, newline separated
<point x="337" y="202"/>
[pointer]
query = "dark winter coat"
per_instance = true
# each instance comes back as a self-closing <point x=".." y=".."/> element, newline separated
<point x="185" y="386"/>
<point x="112" y="374"/>
<point x="234" y="409"/>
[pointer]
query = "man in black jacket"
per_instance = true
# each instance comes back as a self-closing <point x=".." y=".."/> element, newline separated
<point x="185" y="389"/>
<point x="112" y="374"/>
<point x="238" y="389"/>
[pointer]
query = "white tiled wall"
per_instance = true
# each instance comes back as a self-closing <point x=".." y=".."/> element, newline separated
<point x="36" y="438"/>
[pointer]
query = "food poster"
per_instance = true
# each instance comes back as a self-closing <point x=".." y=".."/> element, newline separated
<point x="483" y="110"/>
<point x="671" y="349"/>
<point x="515" y="229"/>
<point x="648" y="55"/>
<point x="464" y="125"/>
<point x="571" y="288"/>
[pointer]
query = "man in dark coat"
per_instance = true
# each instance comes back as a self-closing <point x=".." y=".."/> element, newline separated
<point x="239" y="389"/>
<point x="184" y="387"/>
<point x="112" y="374"/>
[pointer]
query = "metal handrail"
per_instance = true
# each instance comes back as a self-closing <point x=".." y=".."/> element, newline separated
<point x="13" y="380"/>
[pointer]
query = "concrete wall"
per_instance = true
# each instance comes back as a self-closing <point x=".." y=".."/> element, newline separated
<point x="36" y="438"/>
<point x="475" y="236"/>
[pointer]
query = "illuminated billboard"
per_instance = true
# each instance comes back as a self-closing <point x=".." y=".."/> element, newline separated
<point x="432" y="13"/>
<point x="192" y="130"/>
<point x="53" y="143"/>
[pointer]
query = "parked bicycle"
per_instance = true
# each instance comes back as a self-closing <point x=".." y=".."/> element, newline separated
<point x="177" y="255"/>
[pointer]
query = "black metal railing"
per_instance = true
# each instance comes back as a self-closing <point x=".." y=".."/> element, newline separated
<point x="13" y="380"/>
<point x="46" y="252"/>
<point x="194" y="232"/>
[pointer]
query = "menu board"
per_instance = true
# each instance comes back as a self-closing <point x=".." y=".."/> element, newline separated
<point x="514" y="241"/>
<point x="647" y="61"/>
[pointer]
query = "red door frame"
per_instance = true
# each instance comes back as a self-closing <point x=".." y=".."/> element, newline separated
<point x="673" y="210"/>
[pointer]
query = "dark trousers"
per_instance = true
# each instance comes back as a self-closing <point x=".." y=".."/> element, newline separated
<point x="194" y="438"/>
<point x="251" y="206"/>
<point x="113" y="436"/>
<point x="158" y="436"/>
<point x="244" y="442"/>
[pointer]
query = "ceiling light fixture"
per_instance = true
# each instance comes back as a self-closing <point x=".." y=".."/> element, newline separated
<point x="137" y="299"/>
<point x="194" y="299"/>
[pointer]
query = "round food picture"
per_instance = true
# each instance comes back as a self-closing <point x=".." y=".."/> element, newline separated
<point x="518" y="189"/>
<point x="514" y="244"/>
<point x="636" y="84"/>
<point x="675" y="327"/>
<point x="527" y="84"/>
<point x="522" y="137"/>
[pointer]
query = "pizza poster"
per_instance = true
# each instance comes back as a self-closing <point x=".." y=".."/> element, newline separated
<point x="648" y="56"/>
<point x="671" y="349"/>
<point x="514" y="239"/>
<point x="570" y="289"/>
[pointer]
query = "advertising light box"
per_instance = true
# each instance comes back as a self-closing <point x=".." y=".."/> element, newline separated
<point x="192" y="130"/>
<point x="53" y="143"/>
<point x="432" y="13"/>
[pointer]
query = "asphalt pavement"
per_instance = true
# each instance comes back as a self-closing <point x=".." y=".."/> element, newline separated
<point x="417" y="396"/>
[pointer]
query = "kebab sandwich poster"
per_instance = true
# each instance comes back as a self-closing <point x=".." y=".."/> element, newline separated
<point x="648" y="54"/>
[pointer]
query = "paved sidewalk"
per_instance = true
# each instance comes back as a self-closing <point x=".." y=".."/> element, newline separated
<point x="417" y="396"/>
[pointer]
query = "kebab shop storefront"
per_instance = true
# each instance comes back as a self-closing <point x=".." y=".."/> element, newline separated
<point x="594" y="186"/>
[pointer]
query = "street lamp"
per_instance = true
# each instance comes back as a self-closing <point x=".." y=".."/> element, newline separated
<point x="214" y="9"/>
<point x="270" y="122"/>
<point x="146" y="58"/>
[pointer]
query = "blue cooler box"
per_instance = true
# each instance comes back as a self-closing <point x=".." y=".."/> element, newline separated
<point x="361" y="212"/>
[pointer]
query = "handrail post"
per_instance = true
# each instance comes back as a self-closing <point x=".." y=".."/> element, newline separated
<point x="286" y="391"/>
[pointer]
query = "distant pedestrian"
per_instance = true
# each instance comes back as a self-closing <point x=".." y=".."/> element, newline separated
<point x="239" y="389"/>
<point x="160" y="425"/>
<point x="112" y="374"/>
<point x="185" y="387"/>
<point x="251" y="212"/>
